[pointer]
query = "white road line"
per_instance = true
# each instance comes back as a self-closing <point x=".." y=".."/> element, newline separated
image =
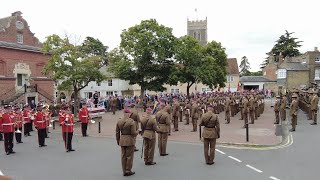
<point x="253" y="168"/>
<point x="1" y="174"/>
<point x="234" y="159"/>
<point x="220" y="151"/>
<point x="274" y="178"/>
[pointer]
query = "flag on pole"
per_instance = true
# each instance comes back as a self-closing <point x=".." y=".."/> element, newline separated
<point x="155" y="106"/>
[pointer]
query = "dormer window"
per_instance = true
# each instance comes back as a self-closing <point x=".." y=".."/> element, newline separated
<point x="282" y="73"/>
<point x="19" y="38"/>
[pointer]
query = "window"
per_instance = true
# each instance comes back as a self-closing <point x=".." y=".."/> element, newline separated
<point x="109" y="93"/>
<point x="199" y="36"/>
<point x="19" y="79"/>
<point x="98" y="84"/>
<point x="19" y="38"/>
<point x="317" y="74"/>
<point x="282" y="73"/>
<point x="110" y="82"/>
<point x="229" y="78"/>
<point x="195" y="35"/>
<point x="206" y="89"/>
<point x="175" y="90"/>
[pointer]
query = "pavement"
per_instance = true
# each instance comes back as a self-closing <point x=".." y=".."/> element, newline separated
<point x="262" y="133"/>
<point x="99" y="158"/>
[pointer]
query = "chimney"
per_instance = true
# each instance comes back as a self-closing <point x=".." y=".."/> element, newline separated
<point x="17" y="13"/>
<point x="280" y="59"/>
<point x="316" y="49"/>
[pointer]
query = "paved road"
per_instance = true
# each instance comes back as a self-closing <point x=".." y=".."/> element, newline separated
<point x="99" y="158"/>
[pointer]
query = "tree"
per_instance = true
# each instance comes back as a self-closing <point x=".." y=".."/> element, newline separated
<point x="244" y="66"/>
<point x="215" y="62"/>
<point x="258" y="73"/>
<point x="74" y="65"/>
<point x="286" y="45"/>
<point x="145" y="55"/>
<point x="188" y="54"/>
<point x="196" y="63"/>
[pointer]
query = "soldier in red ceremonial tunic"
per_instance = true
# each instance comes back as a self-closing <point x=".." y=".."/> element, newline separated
<point x="18" y="127"/>
<point x="1" y="112"/>
<point x="67" y="123"/>
<point x="27" y="113"/>
<point x="40" y="124"/>
<point x="84" y="118"/>
<point x="7" y="123"/>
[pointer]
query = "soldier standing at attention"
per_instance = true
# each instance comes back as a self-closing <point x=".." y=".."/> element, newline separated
<point x="251" y="108"/>
<point x="314" y="107"/>
<point x="294" y="112"/>
<point x="241" y="106"/>
<point x="7" y="124"/>
<point x="283" y="108"/>
<point x="187" y="112"/>
<point x="149" y="127"/>
<point x="163" y="120"/>
<point x="136" y="118"/>
<point x="84" y="118"/>
<point x="182" y="105"/>
<point x="125" y="134"/>
<point x="245" y="110"/>
<point x="227" y="109"/>
<point x="194" y="115"/>
<point x="113" y="105"/>
<point x="40" y="124"/>
<point x="211" y="132"/>
<point x="175" y="115"/>
<point x="276" y="109"/>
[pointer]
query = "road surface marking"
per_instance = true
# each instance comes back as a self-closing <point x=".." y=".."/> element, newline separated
<point x="220" y="151"/>
<point x="234" y="159"/>
<point x="274" y="178"/>
<point x="1" y="174"/>
<point x="253" y="168"/>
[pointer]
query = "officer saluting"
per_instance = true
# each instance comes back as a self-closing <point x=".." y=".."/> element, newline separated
<point x="211" y="132"/>
<point x="7" y="124"/>
<point x="125" y="135"/>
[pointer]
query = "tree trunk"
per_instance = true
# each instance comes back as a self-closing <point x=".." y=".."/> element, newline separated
<point x="76" y="102"/>
<point x="142" y="92"/>
<point x="188" y="91"/>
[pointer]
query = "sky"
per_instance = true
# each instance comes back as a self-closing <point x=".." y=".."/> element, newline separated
<point x="244" y="27"/>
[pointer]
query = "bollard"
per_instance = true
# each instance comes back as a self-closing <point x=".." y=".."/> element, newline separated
<point x="247" y="131"/>
<point x="99" y="127"/>
<point x="53" y="125"/>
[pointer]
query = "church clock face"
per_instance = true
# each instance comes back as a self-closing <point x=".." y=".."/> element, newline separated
<point x="19" y="25"/>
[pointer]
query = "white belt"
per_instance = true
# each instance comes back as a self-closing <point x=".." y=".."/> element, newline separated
<point x="8" y="124"/>
<point x="41" y="121"/>
<point x="84" y="116"/>
<point x="69" y="124"/>
<point x="26" y="117"/>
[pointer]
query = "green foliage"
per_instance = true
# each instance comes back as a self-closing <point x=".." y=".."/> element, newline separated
<point x="145" y="55"/>
<point x="216" y="54"/>
<point x="188" y="54"/>
<point x="258" y="73"/>
<point x="286" y="45"/>
<point x="196" y="63"/>
<point x="244" y="66"/>
<point x="74" y="65"/>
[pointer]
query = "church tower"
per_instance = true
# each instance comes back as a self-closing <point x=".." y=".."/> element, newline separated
<point x="198" y="30"/>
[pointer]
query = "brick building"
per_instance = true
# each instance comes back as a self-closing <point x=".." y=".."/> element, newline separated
<point x="293" y="72"/>
<point x="21" y="63"/>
